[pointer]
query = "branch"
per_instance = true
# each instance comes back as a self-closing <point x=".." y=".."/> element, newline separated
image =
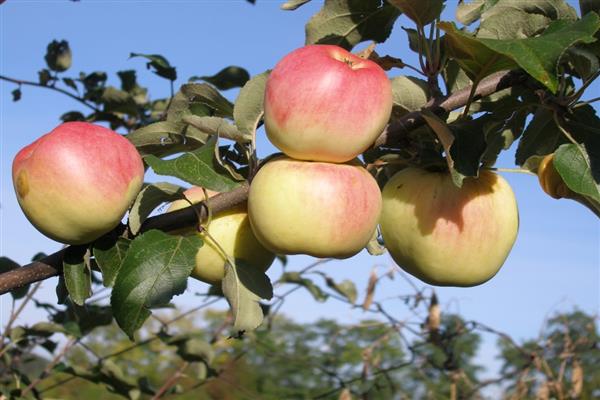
<point x="52" y="265"/>
<point x="66" y="93"/>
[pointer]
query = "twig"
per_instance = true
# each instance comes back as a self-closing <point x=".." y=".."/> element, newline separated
<point x="36" y="84"/>
<point x="171" y="381"/>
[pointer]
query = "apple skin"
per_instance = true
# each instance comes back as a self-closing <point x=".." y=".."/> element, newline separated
<point x="445" y="235"/>
<point x="323" y="103"/>
<point x="76" y="183"/>
<point x="231" y="229"/>
<point x="315" y="208"/>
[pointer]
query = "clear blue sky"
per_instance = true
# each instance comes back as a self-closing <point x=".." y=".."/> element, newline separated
<point x="553" y="266"/>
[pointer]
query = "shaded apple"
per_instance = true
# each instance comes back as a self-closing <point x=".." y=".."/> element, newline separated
<point x="446" y="235"/>
<point x="231" y="230"/>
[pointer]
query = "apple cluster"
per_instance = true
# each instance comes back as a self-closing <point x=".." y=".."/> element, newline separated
<point x="323" y="106"/>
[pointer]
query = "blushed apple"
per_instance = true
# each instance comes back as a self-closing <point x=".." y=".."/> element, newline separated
<point x="323" y="103"/>
<point x="446" y="235"/>
<point x="315" y="208"/>
<point x="231" y="230"/>
<point x="76" y="183"/>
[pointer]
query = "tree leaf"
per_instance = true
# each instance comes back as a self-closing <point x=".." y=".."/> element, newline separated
<point x="16" y="94"/>
<point x="216" y="126"/>
<point x="538" y="56"/>
<point x="346" y="288"/>
<point x="553" y="9"/>
<point x="155" y="269"/>
<point x="159" y="65"/>
<point x="109" y="255"/>
<point x="293" y="4"/>
<point x="421" y="12"/>
<point x="58" y="56"/>
<point x="6" y="264"/>
<point x="540" y="137"/>
<point x="243" y="287"/>
<point x="294" y="277"/>
<point x="512" y="24"/>
<point x="198" y="167"/>
<point x="150" y="197"/>
<point x="574" y="166"/>
<point x="467" y="13"/>
<point x="348" y="22"/>
<point x="587" y="6"/>
<point x="409" y="94"/>
<point x="77" y="274"/>
<point x="227" y="78"/>
<point x="165" y="138"/>
<point x="191" y="347"/>
<point x="206" y="95"/>
<point x="249" y="105"/>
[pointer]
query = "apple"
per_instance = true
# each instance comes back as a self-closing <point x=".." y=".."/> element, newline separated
<point x="76" y="183"/>
<point x="323" y="103"/>
<point x="551" y="181"/>
<point x="315" y="208"/>
<point x="446" y="235"/>
<point x="233" y="234"/>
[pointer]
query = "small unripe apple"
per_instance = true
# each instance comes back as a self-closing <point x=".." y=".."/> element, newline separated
<point x="231" y="230"/>
<point x="551" y="181"/>
<point x="75" y="183"/>
<point x="323" y="103"/>
<point x="446" y="235"/>
<point x="315" y="208"/>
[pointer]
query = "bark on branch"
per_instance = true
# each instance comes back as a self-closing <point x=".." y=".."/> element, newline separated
<point x="52" y="264"/>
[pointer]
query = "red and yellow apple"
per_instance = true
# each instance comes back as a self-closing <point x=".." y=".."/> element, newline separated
<point x="234" y="239"/>
<point x="315" y="208"/>
<point x="323" y="103"/>
<point x="446" y="235"/>
<point x="76" y="183"/>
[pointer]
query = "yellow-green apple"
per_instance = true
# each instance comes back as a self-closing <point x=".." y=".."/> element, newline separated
<point x="551" y="181"/>
<point x="446" y="235"/>
<point x="323" y="103"/>
<point x="315" y="208"/>
<point x="75" y="183"/>
<point x="233" y="235"/>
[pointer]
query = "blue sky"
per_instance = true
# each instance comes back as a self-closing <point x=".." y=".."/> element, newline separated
<point x="554" y="264"/>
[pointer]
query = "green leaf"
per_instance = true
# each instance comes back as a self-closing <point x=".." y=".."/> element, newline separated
<point x="159" y="65"/>
<point x="583" y="61"/>
<point x="58" y="56"/>
<point x="206" y="95"/>
<point x="118" y="101"/>
<point x="109" y="255"/>
<point x="70" y="83"/>
<point x="348" y="22"/>
<point x="44" y="77"/>
<point x="553" y="9"/>
<point x="573" y="164"/>
<point x="538" y="56"/>
<point x="150" y="197"/>
<point x="6" y="264"/>
<point x="409" y="94"/>
<point x="293" y="4"/>
<point x="16" y="94"/>
<point x="294" y="277"/>
<point x="467" y="13"/>
<point x="512" y="24"/>
<point x="199" y="168"/>
<point x="421" y="12"/>
<point x="249" y="105"/>
<point x="215" y="126"/>
<point x="77" y="273"/>
<point x="243" y="287"/>
<point x="165" y="138"/>
<point x="345" y="288"/>
<point x="72" y="116"/>
<point x="155" y="269"/>
<point x="191" y="347"/>
<point x="128" y="79"/>
<point x="227" y="78"/>
<point x="540" y="137"/>
<point x="477" y="60"/>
